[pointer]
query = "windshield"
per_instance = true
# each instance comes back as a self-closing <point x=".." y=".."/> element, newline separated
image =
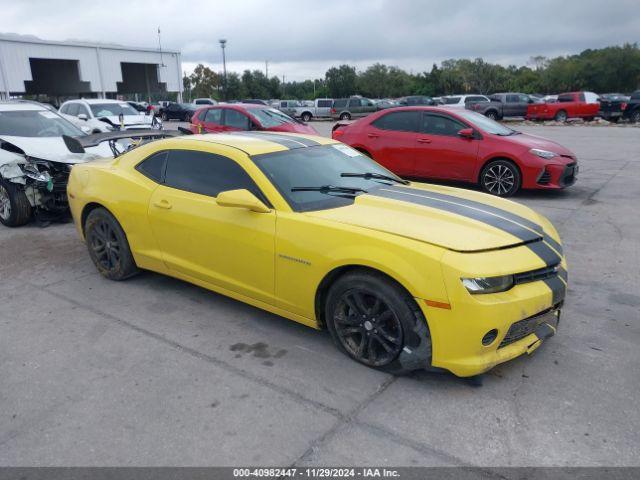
<point x="486" y="124"/>
<point x="36" y="123"/>
<point x="270" y="117"/>
<point x="316" y="167"/>
<point x="112" y="109"/>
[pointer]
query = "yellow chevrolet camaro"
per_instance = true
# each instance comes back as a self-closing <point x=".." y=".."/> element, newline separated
<point x="404" y="275"/>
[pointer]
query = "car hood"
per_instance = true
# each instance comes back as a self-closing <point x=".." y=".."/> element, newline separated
<point x="55" y="150"/>
<point x="451" y="218"/>
<point x="533" y="141"/>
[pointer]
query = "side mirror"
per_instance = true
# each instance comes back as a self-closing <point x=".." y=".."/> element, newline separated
<point x="241" y="199"/>
<point x="83" y="116"/>
<point x="466" y="133"/>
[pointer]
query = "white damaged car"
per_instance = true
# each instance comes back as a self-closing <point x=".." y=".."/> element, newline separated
<point x="101" y="115"/>
<point x="35" y="162"/>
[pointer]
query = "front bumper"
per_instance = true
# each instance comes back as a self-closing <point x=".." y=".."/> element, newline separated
<point x="514" y="316"/>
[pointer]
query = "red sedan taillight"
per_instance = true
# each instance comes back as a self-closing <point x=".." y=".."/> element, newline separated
<point x="623" y="106"/>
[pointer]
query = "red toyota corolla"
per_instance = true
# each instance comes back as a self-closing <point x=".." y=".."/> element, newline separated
<point x="244" y="116"/>
<point x="440" y="143"/>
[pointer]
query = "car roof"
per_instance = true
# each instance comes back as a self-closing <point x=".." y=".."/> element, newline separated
<point x="256" y="143"/>
<point x="21" y="106"/>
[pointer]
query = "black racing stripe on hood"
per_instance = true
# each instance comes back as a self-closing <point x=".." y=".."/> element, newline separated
<point x="514" y="229"/>
<point x="531" y="239"/>
<point x="491" y="209"/>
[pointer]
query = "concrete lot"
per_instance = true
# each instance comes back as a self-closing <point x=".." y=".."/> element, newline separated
<point x="154" y="371"/>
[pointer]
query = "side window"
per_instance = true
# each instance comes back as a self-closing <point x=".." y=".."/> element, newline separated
<point x="73" y="109"/>
<point x="202" y="115"/>
<point x="582" y="97"/>
<point x="512" y="99"/>
<point x="339" y="103"/>
<point x="206" y="173"/>
<point x="565" y="98"/>
<point x="495" y="98"/>
<point x="354" y="103"/>
<point x="83" y="109"/>
<point x="441" y="125"/>
<point x="64" y="108"/>
<point x="213" y="115"/>
<point x="399" y="121"/>
<point x="235" y="119"/>
<point x="153" y="167"/>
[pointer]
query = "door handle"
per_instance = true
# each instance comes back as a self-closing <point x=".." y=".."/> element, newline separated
<point x="424" y="140"/>
<point x="163" y="204"/>
<point x="372" y="135"/>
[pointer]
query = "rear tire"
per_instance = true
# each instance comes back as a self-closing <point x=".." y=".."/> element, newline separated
<point x="561" y="116"/>
<point x="187" y="117"/>
<point x="164" y="117"/>
<point x="501" y="178"/>
<point x="375" y="322"/>
<point x="306" y="117"/>
<point x="15" y="209"/>
<point x="635" y="117"/>
<point x="492" y="114"/>
<point x="108" y="246"/>
<point x="345" y="116"/>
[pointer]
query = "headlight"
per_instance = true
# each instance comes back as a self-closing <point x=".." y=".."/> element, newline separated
<point x="488" y="284"/>
<point x="543" y="153"/>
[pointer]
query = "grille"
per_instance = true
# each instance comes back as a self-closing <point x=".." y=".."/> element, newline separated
<point x="535" y="275"/>
<point x="523" y="328"/>
<point x="545" y="178"/>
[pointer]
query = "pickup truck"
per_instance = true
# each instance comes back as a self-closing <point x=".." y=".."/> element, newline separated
<point x="321" y="108"/>
<point x="613" y="108"/>
<point x="569" y="105"/>
<point x="502" y="105"/>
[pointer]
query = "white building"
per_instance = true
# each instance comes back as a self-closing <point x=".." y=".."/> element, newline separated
<point x="31" y="66"/>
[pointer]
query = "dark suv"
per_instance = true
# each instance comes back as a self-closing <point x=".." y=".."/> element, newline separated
<point x="354" y="107"/>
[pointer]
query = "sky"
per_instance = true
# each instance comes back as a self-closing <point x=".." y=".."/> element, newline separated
<point x="301" y="39"/>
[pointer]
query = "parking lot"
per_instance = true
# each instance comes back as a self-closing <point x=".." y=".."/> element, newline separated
<point x="155" y="371"/>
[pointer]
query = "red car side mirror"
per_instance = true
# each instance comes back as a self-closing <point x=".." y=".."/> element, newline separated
<point x="466" y="133"/>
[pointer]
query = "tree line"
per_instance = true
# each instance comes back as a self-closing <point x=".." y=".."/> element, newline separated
<point x="610" y="69"/>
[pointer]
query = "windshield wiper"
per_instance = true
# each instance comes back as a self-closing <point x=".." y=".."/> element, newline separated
<point x="330" y="189"/>
<point x="376" y="176"/>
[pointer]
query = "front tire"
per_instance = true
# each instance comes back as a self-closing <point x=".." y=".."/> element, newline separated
<point x="108" y="246"/>
<point x="164" y="117"/>
<point x="306" y="117"/>
<point x="15" y="209"/>
<point x="345" y="116"/>
<point x="375" y="322"/>
<point x="635" y="117"/>
<point x="501" y="178"/>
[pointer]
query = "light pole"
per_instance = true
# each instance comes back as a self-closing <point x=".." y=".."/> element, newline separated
<point x="223" y="44"/>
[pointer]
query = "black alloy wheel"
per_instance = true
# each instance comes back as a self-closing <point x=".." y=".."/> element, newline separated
<point x="103" y="242"/>
<point x="306" y="117"/>
<point x="367" y="328"/>
<point x="108" y="246"/>
<point x="491" y="115"/>
<point x="345" y="116"/>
